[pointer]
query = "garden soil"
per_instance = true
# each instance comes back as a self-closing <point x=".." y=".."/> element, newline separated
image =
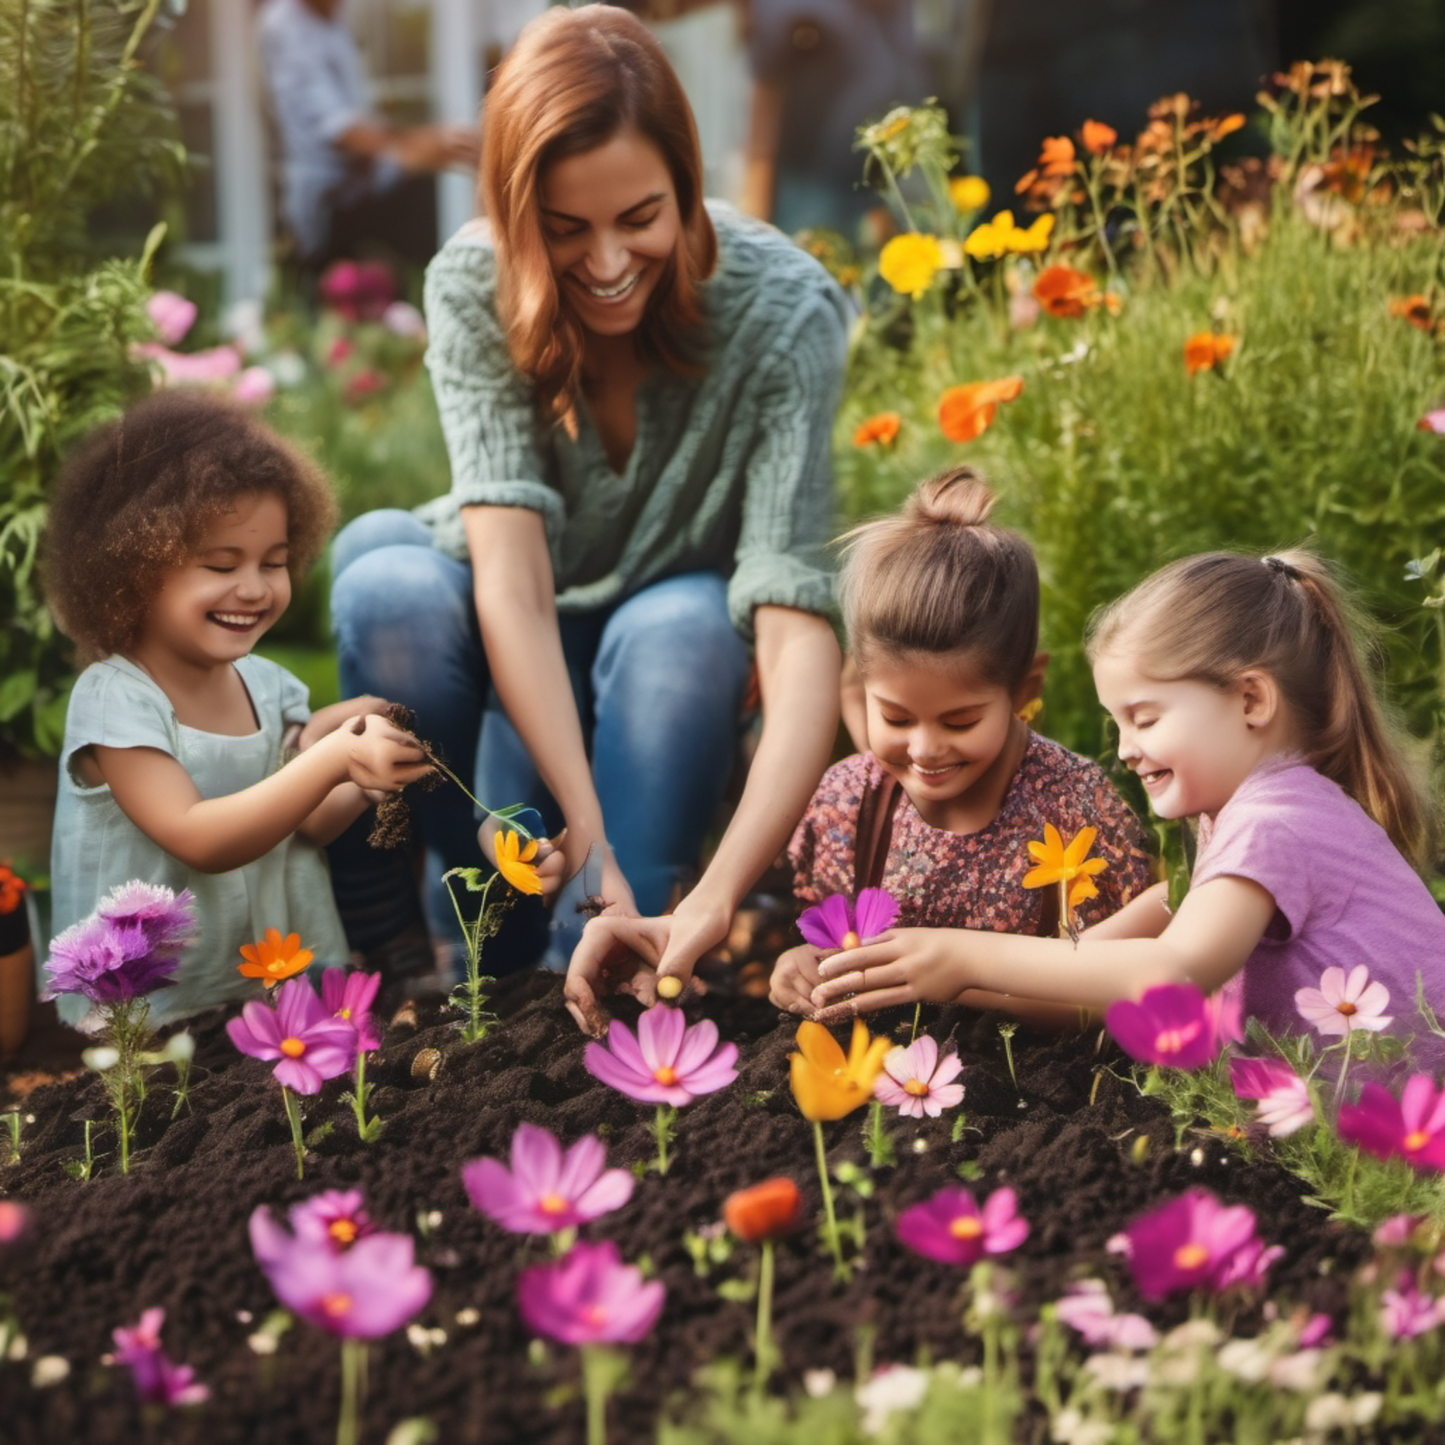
<point x="1077" y="1141"/>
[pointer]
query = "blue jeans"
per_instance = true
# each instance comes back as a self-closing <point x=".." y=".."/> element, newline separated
<point x="658" y="680"/>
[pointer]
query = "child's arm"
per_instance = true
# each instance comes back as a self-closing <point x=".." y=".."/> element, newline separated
<point x="214" y="835"/>
<point x="1206" y="943"/>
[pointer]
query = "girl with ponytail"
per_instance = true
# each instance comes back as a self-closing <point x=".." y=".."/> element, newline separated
<point x="1242" y="700"/>
<point x="942" y="612"/>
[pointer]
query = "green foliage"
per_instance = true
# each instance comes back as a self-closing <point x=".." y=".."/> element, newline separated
<point x="81" y="120"/>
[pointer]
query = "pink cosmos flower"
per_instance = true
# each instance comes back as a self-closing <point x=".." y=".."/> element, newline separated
<point x="14" y="1220"/>
<point x="348" y="996"/>
<point x="915" y="1082"/>
<point x="1195" y="1242"/>
<point x="308" y="1043"/>
<point x="1433" y="421"/>
<point x="1342" y="1004"/>
<point x="335" y="1218"/>
<point x="157" y="1380"/>
<point x="1284" y="1098"/>
<point x="171" y="315"/>
<point x="194" y="368"/>
<point x="362" y="1292"/>
<point x="1413" y="1127"/>
<point x="666" y="1062"/>
<point x="1088" y="1309"/>
<point x="1397" y="1229"/>
<point x="836" y="923"/>
<point x="1406" y="1312"/>
<point x="589" y="1296"/>
<point x="951" y="1228"/>
<point x="254" y="387"/>
<point x="546" y="1190"/>
<point x="1174" y="1024"/>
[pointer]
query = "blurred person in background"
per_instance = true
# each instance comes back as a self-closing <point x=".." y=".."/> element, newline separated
<point x="350" y="181"/>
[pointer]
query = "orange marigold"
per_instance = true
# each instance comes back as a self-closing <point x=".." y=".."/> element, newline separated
<point x="1062" y="291"/>
<point x="12" y="889"/>
<point x="882" y="428"/>
<point x="274" y="958"/>
<point x="764" y="1211"/>
<point x="967" y="411"/>
<point x="1097" y="137"/>
<point x="1414" y="309"/>
<point x="1205" y="350"/>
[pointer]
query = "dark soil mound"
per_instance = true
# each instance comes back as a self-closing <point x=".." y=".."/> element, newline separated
<point x="173" y="1232"/>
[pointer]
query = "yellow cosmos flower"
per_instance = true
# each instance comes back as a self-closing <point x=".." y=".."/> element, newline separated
<point x="514" y="862"/>
<point x="1060" y="864"/>
<point x="908" y="263"/>
<point x="1030" y="240"/>
<point x="274" y="958"/>
<point x="827" y="1085"/>
<point x="968" y="193"/>
<point x="989" y="241"/>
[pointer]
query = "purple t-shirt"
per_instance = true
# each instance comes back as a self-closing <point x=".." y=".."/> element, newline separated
<point x="1343" y="895"/>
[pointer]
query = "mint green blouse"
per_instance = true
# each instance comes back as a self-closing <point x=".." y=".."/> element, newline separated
<point x="730" y="471"/>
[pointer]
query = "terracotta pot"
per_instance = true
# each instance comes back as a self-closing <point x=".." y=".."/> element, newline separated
<point x="17" y="993"/>
<point x="27" y="811"/>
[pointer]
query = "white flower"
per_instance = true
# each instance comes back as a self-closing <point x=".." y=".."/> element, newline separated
<point x="49" y="1370"/>
<point x="1247" y="1360"/>
<point x="288" y="368"/>
<point x="401" y="318"/>
<point x="1342" y="1004"/>
<point x="893" y="1388"/>
<point x="1088" y="1309"/>
<point x="819" y="1383"/>
<point x="1304" y="1372"/>
<point x="1070" y="1427"/>
<point x="100" y="1058"/>
<point x="1340" y="1412"/>
<point x="1118" y="1372"/>
<point x="244" y="322"/>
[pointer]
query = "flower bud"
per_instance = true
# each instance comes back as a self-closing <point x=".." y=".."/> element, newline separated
<point x="669" y="986"/>
<point x="764" y="1211"/>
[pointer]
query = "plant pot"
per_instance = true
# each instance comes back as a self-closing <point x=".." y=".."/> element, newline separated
<point x="27" y="812"/>
<point x="17" y="994"/>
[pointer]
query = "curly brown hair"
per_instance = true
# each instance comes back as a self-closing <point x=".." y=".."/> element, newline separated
<point x="140" y="492"/>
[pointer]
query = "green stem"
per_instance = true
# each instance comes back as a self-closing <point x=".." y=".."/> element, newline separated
<point x="763" y="1335"/>
<point x="662" y="1123"/>
<point x="293" y="1113"/>
<point x="358" y="1096"/>
<point x="1346" y="1050"/>
<point x="917" y="1016"/>
<point x="831" y="1228"/>
<point x="353" y="1388"/>
<point x="594" y="1385"/>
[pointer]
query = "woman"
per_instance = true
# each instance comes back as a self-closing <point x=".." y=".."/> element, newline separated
<point x="637" y="393"/>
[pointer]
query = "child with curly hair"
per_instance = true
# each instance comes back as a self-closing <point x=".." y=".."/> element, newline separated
<point x="175" y="535"/>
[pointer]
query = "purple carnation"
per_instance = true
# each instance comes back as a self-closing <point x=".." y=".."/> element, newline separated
<point x="130" y="946"/>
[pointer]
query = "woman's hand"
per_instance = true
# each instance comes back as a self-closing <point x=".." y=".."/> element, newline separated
<point x="905" y="965"/>
<point x="617" y="954"/>
<point x="795" y="976"/>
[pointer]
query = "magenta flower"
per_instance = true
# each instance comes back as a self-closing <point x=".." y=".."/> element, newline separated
<point x="546" y="1190"/>
<point x="1413" y="1127"/>
<point x="157" y="1380"/>
<point x="310" y="1045"/>
<point x="1433" y="421"/>
<point x="366" y="1290"/>
<point x="171" y="315"/>
<point x="1343" y="1003"/>
<point x="1397" y="1229"/>
<point x="130" y="946"/>
<point x="666" y="1062"/>
<point x="1195" y="1242"/>
<point x="916" y="1083"/>
<point x="334" y="1219"/>
<point x="589" y="1297"/>
<point x="1174" y="1024"/>
<point x="836" y="923"/>
<point x="1088" y="1309"/>
<point x="358" y="290"/>
<point x="348" y="996"/>
<point x="14" y="1221"/>
<point x="1406" y="1312"/>
<point x="951" y="1228"/>
<point x="1284" y="1098"/>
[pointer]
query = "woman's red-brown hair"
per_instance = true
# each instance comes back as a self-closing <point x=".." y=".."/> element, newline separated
<point x="574" y="80"/>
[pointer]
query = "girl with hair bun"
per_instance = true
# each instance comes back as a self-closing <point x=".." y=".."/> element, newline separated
<point x="942" y="612"/>
<point x="1242" y="701"/>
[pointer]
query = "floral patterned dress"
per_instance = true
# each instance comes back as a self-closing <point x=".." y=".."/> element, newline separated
<point x="974" y="880"/>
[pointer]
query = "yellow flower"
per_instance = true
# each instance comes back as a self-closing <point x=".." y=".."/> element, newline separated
<point x="968" y="193"/>
<point x="514" y="862"/>
<point x="988" y="241"/>
<point x="825" y="1084"/>
<point x="908" y="263"/>
<point x="1058" y="864"/>
<point x="274" y="958"/>
<point x="1034" y="238"/>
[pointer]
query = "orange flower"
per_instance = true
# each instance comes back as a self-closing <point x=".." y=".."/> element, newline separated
<point x="12" y="889"/>
<point x="825" y="1084"/>
<point x="763" y="1212"/>
<point x="1097" y="137"/>
<point x="1414" y="309"/>
<point x="1056" y="157"/>
<point x="882" y="428"/>
<point x="1205" y="350"/>
<point x="967" y="411"/>
<point x="1062" y="291"/>
<point x="514" y="862"/>
<point x="1225" y="125"/>
<point x="274" y="958"/>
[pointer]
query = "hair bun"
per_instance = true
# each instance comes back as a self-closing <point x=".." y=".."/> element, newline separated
<point x="958" y="497"/>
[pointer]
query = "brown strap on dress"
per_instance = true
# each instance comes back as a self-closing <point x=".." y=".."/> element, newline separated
<point x="875" y="833"/>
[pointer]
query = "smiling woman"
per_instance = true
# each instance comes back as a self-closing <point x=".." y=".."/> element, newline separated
<point x="637" y="390"/>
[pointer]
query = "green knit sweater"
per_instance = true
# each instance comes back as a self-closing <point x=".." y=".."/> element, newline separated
<point x="730" y="471"/>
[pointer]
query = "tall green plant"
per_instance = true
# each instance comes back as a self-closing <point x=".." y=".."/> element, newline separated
<point x="81" y="120"/>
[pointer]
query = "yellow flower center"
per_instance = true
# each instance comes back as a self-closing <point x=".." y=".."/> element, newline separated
<point x="293" y="1048"/>
<point x="917" y="1087"/>
<point x="851" y="939"/>
<point x="336" y="1304"/>
<point x="343" y="1013"/>
<point x="277" y="965"/>
<point x="1346" y="1007"/>
<point x="1190" y="1256"/>
<point x="343" y="1231"/>
<point x="552" y="1204"/>
<point x="966" y="1226"/>
<point x="1415" y="1139"/>
<point x="666" y="1075"/>
<point x="1171" y="1041"/>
